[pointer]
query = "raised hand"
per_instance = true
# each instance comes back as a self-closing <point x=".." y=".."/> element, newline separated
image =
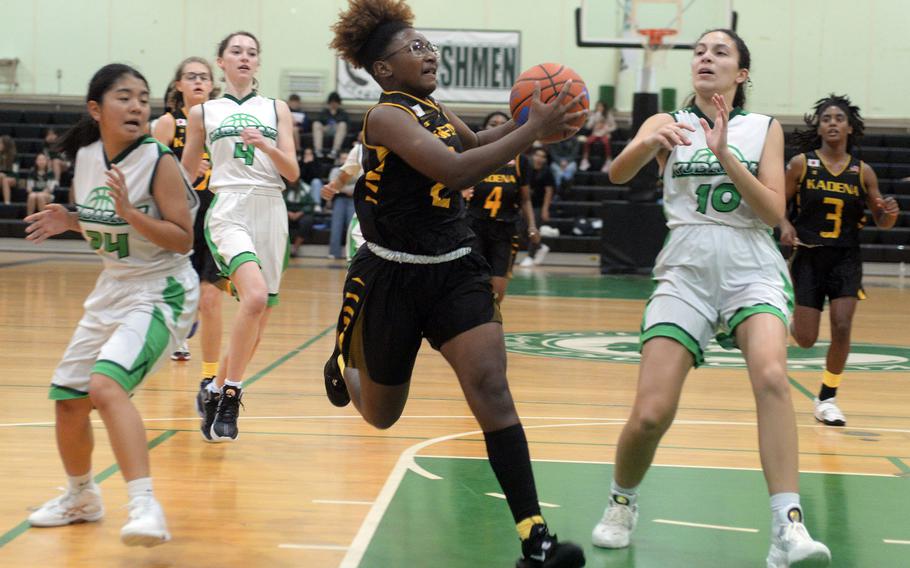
<point x="553" y="118"/>
<point x="53" y="220"/>
<point x="716" y="137"/>
<point x="119" y="192"/>
<point x="669" y="136"/>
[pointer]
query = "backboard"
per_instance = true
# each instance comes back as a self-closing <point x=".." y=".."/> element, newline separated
<point x="614" y="23"/>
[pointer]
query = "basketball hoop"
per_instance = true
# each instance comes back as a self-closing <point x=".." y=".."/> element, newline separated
<point x="656" y="36"/>
<point x="654" y="43"/>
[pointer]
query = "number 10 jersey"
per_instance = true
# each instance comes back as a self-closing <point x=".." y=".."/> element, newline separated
<point x="697" y="190"/>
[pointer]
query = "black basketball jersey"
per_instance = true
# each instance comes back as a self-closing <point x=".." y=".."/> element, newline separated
<point x="179" y="142"/>
<point x="400" y="208"/>
<point x="498" y="196"/>
<point x="830" y="206"/>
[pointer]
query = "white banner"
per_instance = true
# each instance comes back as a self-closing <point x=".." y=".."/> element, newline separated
<point x="474" y="67"/>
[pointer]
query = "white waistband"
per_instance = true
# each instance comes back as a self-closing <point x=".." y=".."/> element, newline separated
<point x="408" y="258"/>
<point x="252" y="190"/>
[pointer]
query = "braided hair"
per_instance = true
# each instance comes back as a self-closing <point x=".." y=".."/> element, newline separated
<point x="809" y="139"/>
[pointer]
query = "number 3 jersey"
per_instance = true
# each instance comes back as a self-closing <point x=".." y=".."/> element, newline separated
<point x="697" y="190"/>
<point x="235" y="164"/>
<point x="830" y="208"/>
<point x="126" y="252"/>
<point x="400" y="208"/>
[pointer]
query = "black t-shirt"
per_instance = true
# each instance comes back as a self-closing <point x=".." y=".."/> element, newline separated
<point x="400" y="208"/>
<point x="539" y="180"/>
<point x="327" y="118"/>
<point x="830" y="208"/>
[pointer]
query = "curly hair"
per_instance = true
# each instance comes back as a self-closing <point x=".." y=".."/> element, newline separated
<point x="809" y="139"/>
<point x="364" y="31"/>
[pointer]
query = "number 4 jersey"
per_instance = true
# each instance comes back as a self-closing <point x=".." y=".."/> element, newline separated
<point x="235" y="164"/>
<point x="697" y="190"/>
<point x="125" y="251"/>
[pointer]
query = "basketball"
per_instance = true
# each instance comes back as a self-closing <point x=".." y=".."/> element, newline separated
<point x="552" y="76"/>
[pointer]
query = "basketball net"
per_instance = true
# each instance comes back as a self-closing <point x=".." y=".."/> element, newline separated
<point x="655" y="54"/>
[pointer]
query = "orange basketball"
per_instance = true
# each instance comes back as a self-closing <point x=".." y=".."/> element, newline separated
<point x="551" y="76"/>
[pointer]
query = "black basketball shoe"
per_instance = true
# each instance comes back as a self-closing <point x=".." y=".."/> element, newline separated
<point x="209" y="410"/>
<point x="200" y="396"/>
<point x="543" y="550"/>
<point x="224" y="427"/>
<point x="335" y="388"/>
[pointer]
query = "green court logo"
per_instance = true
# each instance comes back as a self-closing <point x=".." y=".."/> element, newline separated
<point x="622" y="347"/>
<point x="234" y="125"/>
<point x="99" y="208"/>
<point x="704" y="163"/>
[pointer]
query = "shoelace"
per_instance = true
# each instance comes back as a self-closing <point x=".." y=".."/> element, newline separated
<point x="228" y="408"/>
<point x="622" y="514"/>
<point x="65" y="503"/>
<point x="138" y="507"/>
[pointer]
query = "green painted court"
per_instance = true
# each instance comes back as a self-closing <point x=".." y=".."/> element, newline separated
<point x="452" y="522"/>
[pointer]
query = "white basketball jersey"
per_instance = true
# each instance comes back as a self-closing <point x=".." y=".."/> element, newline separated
<point x="235" y="164"/>
<point x="697" y="190"/>
<point x="126" y="253"/>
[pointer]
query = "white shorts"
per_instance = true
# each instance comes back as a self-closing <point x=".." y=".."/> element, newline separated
<point x="249" y="225"/>
<point x="127" y="326"/>
<point x="355" y="237"/>
<point x="710" y="278"/>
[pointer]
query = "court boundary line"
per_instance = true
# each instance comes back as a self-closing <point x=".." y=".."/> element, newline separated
<point x="24" y="526"/>
<point x="406" y="462"/>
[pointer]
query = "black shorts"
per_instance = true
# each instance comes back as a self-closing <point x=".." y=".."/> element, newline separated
<point x="498" y="243"/>
<point x="820" y="272"/>
<point x="203" y="262"/>
<point x="390" y="307"/>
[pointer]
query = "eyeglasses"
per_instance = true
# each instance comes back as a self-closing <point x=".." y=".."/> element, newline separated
<point x="193" y="76"/>
<point x="417" y="47"/>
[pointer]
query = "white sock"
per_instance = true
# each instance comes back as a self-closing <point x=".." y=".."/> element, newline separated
<point x="235" y="384"/>
<point x="141" y="487"/>
<point x="620" y="494"/>
<point x="80" y="482"/>
<point x="785" y="509"/>
<point x="212" y="387"/>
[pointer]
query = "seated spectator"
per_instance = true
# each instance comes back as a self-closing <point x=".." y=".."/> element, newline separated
<point x="311" y="172"/>
<point x="341" y="198"/>
<point x="540" y="180"/>
<point x="40" y="185"/>
<point x="565" y="157"/>
<point x="298" y="116"/>
<point x="301" y="206"/>
<point x="602" y="127"/>
<point x="333" y="120"/>
<point x="9" y="167"/>
<point x="56" y="159"/>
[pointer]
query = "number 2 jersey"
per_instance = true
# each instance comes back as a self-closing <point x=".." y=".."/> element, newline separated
<point x="830" y="208"/>
<point x="697" y="190"/>
<point x="400" y="208"/>
<point x="126" y="252"/>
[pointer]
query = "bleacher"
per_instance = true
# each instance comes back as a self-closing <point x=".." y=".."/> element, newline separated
<point x="888" y="154"/>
